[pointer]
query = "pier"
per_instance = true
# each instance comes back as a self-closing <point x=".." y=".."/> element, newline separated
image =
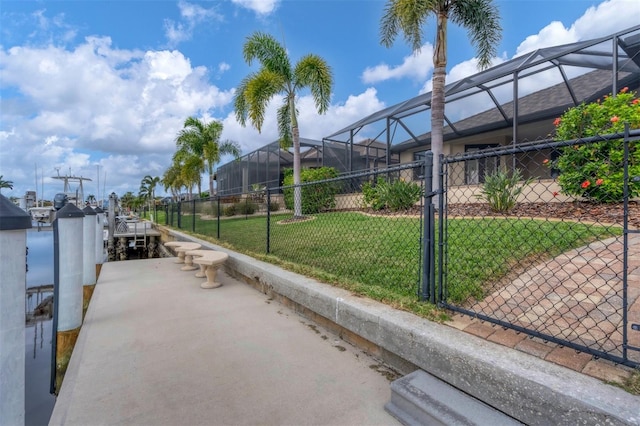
<point x="155" y="348"/>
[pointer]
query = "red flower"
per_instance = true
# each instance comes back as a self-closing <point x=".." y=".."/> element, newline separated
<point x="599" y="182"/>
<point x="615" y="119"/>
<point x="585" y="184"/>
<point x="635" y="101"/>
<point x="624" y="90"/>
<point x="555" y="193"/>
<point x="545" y="161"/>
<point x="557" y="121"/>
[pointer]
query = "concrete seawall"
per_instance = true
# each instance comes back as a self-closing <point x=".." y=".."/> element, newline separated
<point x="532" y="390"/>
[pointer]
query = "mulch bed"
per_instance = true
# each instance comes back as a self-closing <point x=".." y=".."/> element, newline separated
<point x="579" y="211"/>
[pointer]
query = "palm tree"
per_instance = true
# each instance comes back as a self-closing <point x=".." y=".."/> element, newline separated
<point x="479" y="17"/>
<point x="203" y="140"/>
<point x="5" y="184"/>
<point x="151" y="182"/>
<point x="171" y="180"/>
<point x="148" y="188"/>
<point x="277" y="76"/>
<point x="128" y="200"/>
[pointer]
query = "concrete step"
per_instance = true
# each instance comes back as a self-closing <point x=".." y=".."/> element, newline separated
<point x="422" y="399"/>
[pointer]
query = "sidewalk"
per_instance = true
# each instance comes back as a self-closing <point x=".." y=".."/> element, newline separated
<point x="157" y="349"/>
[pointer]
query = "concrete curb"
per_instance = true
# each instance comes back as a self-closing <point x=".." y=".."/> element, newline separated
<point x="525" y="387"/>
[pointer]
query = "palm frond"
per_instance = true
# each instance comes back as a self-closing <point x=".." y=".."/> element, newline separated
<point x="258" y="92"/>
<point x="408" y="17"/>
<point x="481" y="18"/>
<point x="271" y="54"/>
<point x="313" y="72"/>
<point x="240" y="100"/>
<point x="284" y="125"/>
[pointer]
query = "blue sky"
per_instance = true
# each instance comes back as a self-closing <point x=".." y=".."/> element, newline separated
<point x="102" y="87"/>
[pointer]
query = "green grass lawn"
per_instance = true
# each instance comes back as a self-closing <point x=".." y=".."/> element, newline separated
<point x="379" y="257"/>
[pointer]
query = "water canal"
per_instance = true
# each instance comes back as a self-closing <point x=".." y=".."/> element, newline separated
<point x="38" y="333"/>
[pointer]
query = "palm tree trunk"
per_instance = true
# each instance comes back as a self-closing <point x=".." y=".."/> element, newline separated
<point x="437" y="98"/>
<point x="210" y="181"/>
<point x="297" y="191"/>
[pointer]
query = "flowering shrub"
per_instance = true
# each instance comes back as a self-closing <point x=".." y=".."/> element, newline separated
<point x="595" y="171"/>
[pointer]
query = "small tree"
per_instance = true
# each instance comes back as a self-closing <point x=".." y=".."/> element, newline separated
<point x="595" y="170"/>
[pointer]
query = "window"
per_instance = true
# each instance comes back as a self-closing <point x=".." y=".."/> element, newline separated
<point x="418" y="173"/>
<point x="477" y="169"/>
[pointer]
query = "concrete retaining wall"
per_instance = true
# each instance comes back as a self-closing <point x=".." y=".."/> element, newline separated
<point x="527" y="388"/>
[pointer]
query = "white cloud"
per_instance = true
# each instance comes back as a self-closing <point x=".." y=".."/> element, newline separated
<point x="260" y="7"/>
<point x="192" y="15"/>
<point x="78" y="104"/>
<point x="606" y="18"/>
<point x="415" y="66"/>
<point x="312" y="125"/>
<point x="223" y="67"/>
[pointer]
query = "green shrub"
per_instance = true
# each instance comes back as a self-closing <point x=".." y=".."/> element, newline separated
<point x="246" y="207"/>
<point x="500" y="190"/>
<point x="210" y="208"/>
<point x="316" y="197"/>
<point x="595" y="170"/>
<point x="395" y="196"/>
<point x="274" y="206"/>
<point x="370" y="195"/>
<point x="230" y="210"/>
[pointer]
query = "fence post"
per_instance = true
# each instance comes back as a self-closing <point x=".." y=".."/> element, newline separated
<point x="193" y="217"/>
<point x="218" y="221"/>
<point x="268" y="220"/>
<point x="14" y="223"/>
<point x="427" y="290"/>
<point x="441" y="219"/>
<point x="179" y="214"/>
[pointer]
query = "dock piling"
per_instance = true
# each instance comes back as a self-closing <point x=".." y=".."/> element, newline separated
<point x="68" y="274"/>
<point x="13" y="246"/>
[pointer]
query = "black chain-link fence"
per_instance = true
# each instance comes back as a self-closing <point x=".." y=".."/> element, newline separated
<point x="542" y="238"/>
<point x="363" y="229"/>
<point x="539" y="237"/>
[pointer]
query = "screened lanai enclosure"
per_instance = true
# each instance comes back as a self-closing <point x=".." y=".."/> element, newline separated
<point x="264" y="167"/>
<point x="513" y="102"/>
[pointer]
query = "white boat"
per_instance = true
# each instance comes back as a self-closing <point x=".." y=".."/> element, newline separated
<point x="75" y="197"/>
<point x="43" y="214"/>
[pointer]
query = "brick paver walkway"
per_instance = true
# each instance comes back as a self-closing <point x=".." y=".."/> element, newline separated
<point x="576" y="296"/>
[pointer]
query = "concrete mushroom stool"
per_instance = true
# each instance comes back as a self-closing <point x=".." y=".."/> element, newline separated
<point x="198" y="253"/>
<point x="180" y="255"/>
<point x="188" y="260"/>
<point x="175" y="244"/>
<point x="212" y="260"/>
